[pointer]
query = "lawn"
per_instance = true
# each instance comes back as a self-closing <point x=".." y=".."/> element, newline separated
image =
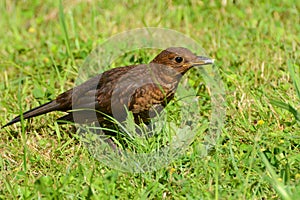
<point x="256" y="47"/>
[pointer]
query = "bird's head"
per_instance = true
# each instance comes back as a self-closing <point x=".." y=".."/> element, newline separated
<point x="181" y="59"/>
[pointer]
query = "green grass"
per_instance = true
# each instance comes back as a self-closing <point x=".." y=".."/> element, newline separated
<point x="255" y="44"/>
<point x="294" y="73"/>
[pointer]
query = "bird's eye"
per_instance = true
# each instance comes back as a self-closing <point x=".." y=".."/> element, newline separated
<point x="178" y="59"/>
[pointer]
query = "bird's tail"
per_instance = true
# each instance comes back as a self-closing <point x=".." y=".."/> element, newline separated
<point x="42" y="109"/>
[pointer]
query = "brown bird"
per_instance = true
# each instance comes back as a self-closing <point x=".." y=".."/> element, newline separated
<point x="143" y="89"/>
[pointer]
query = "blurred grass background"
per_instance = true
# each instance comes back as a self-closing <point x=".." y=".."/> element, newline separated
<point x="252" y="41"/>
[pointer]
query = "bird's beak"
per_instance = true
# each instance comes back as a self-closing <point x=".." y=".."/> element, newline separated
<point x="201" y="60"/>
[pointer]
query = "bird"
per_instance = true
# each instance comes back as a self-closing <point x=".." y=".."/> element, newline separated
<point x="142" y="89"/>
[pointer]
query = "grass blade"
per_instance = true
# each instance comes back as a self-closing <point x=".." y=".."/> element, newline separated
<point x="287" y="107"/>
<point x="296" y="79"/>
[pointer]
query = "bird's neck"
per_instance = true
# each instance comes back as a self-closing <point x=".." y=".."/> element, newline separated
<point x="166" y="76"/>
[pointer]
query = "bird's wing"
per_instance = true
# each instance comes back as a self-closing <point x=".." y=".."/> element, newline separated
<point x="91" y="101"/>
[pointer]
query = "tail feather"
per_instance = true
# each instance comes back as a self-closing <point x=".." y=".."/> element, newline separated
<point x="45" y="108"/>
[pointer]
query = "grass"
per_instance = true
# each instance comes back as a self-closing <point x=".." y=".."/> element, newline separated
<point x="254" y="43"/>
<point x="296" y="79"/>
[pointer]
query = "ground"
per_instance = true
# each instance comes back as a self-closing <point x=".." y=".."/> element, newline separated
<point x="254" y="44"/>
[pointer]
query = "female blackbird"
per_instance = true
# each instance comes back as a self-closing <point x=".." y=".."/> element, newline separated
<point x="143" y="89"/>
